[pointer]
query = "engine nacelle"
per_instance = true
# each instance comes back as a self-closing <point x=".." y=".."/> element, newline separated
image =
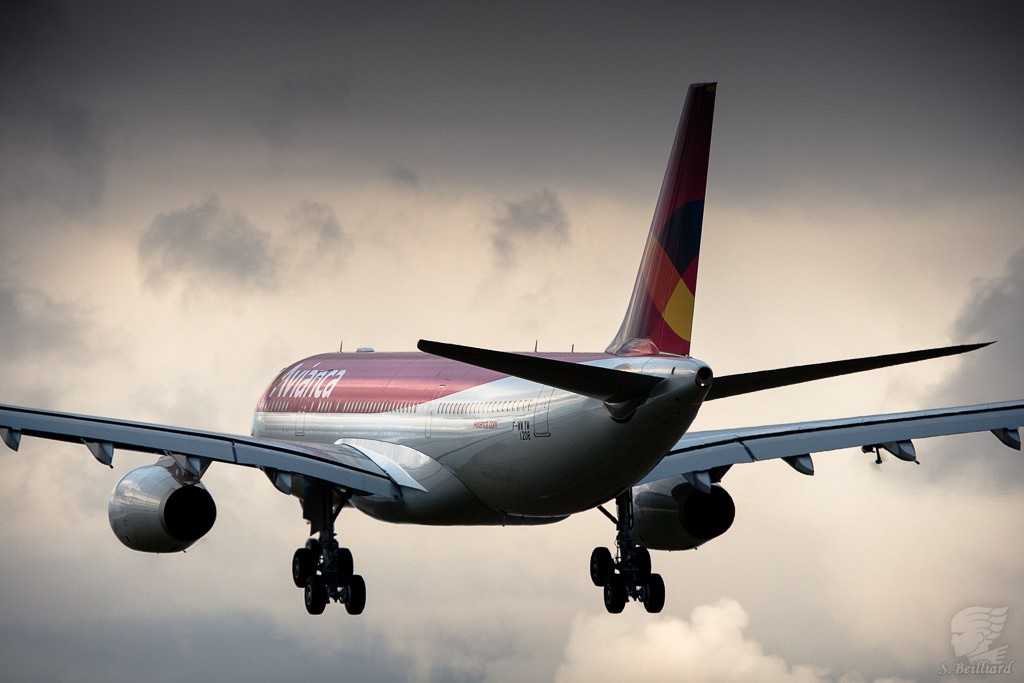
<point x="672" y="515"/>
<point x="153" y="512"/>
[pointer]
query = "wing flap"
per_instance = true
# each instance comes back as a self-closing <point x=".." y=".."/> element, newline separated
<point x="340" y="465"/>
<point x="707" y="450"/>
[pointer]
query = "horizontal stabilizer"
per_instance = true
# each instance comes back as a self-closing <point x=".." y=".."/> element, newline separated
<point x="601" y="383"/>
<point x="745" y="383"/>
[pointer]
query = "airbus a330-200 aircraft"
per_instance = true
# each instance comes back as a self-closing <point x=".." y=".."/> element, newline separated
<point x="458" y="435"/>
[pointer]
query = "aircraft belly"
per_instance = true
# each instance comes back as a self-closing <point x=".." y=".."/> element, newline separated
<point x="446" y="501"/>
<point x="587" y="459"/>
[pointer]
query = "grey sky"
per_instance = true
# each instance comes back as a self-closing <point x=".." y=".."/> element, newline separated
<point x="321" y="171"/>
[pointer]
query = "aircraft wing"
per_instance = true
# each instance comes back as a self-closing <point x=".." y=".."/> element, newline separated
<point x="345" y="466"/>
<point x="699" y="454"/>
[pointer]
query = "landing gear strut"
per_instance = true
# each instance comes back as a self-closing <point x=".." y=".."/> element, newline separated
<point x="321" y="568"/>
<point x="627" y="576"/>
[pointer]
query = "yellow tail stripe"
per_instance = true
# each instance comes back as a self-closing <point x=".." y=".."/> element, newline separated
<point x="678" y="313"/>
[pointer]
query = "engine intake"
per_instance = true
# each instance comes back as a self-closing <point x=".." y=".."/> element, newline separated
<point x="151" y="511"/>
<point x="673" y="515"/>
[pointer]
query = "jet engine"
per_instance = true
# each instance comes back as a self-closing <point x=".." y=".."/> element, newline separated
<point x="673" y="515"/>
<point x="152" y="511"/>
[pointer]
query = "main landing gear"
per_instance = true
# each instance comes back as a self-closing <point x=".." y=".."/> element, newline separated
<point x="324" y="570"/>
<point x="628" y="576"/>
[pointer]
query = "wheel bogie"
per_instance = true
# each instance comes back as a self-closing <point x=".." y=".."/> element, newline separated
<point x="628" y="575"/>
<point x="326" y="573"/>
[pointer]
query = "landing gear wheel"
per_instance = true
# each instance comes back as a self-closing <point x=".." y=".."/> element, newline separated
<point x="316" y="595"/>
<point x="601" y="566"/>
<point x="345" y="564"/>
<point x="303" y="566"/>
<point x="643" y="564"/>
<point x="356" y="599"/>
<point x="314" y="547"/>
<point x="615" y="594"/>
<point x="654" y="595"/>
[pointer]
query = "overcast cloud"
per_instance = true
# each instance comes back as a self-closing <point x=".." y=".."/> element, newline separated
<point x="709" y="646"/>
<point x="308" y="173"/>
<point x="205" y="243"/>
<point x="526" y="224"/>
<point x="34" y="324"/>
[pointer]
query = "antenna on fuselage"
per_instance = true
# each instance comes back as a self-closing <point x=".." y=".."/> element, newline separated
<point x="341" y="346"/>
<point x="535" y="345"/>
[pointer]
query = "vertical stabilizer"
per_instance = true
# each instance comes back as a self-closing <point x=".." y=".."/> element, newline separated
<point x="660" y="313"/>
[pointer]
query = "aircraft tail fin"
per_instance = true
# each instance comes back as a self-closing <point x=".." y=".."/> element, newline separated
<point x="660" y="313"/>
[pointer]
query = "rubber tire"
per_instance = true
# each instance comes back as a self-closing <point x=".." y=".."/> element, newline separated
<point x="643" y="564"/>
<point x="303" y="564"/>
<point x="615" y="594"/>
<point x="356" y="600"/>
<point x="316" y="595"/>
<point x="654" y="596"/>
<point x="601" y="566"/>
<point x="315" y="548"/>
<point x="346" y="565"/>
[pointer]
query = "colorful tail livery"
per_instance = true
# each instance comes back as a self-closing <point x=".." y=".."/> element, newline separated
<point x="660" y="313"/>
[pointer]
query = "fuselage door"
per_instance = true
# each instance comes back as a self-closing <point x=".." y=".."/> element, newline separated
<point x="433" y="408"/>
<point x="540" y="412"/>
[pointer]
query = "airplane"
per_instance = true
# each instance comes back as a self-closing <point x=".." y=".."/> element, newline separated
<point x="456" y="435"/>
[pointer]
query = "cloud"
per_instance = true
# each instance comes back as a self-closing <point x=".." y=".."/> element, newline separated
<point x="993" y="312"/>
<point x="37" y="335"/>
<point x="33" y="324"/>
<point x="711" y="646"/>
<point x="996" y="312"/>
<point x="317" y="222"/>
<point x="207" y="243"/>
<point x="52" y="152"/>
<point x="535" y="219"/>
<point x="405" y="177"/>
<point x="197" y="647"/>
<point x="204" y="243"/>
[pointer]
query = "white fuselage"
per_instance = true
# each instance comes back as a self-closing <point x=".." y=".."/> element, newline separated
<point x="503" y="451"/>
